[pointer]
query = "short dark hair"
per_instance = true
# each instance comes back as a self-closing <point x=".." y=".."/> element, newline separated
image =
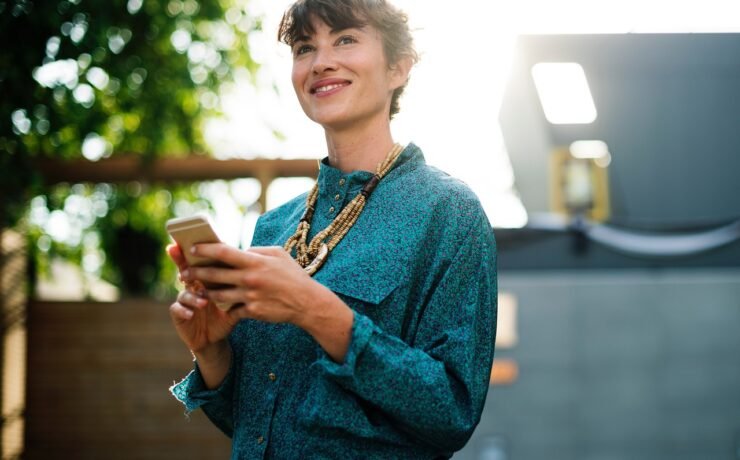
<point x="389" y="21"/>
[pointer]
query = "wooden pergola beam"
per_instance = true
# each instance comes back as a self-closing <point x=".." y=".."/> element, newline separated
<point x="125" y="168"/>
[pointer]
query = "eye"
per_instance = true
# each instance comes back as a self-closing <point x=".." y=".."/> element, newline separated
<point x="346" y="40"/>
<point x="302" y="49"/>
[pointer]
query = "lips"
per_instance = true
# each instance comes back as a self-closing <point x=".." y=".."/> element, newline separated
<point x="328" y="85"/>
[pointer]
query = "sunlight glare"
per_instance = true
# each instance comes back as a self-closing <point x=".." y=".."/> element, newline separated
<point x="450" y="108"/>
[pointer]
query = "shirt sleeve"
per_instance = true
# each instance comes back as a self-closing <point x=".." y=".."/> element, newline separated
<point x="216" y="403"/>
<point x="434" y="389"/>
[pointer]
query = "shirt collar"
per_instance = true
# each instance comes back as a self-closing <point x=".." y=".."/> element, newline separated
<point x="331" y="178"/>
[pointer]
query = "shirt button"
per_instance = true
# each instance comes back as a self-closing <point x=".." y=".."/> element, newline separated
<point x="260" y="440"/>
<point x="331" y="210"/>
<point x="337" y="197"/>
<point x="272" y="377"/>
<point x="342" y="182"/>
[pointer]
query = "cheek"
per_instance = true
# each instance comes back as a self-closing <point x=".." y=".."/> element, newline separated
<point x="298" y="77"/>
<point x="382" y="77"/>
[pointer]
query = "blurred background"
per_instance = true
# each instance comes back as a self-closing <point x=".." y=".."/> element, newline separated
<point x="603" y="139"/>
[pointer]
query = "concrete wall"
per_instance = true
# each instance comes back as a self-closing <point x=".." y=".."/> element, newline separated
<point x="630" y="364"/>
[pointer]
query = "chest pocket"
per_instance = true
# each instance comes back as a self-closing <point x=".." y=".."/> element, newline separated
<point x="371" y="283"/>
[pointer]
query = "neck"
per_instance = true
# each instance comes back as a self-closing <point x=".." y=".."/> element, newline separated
<point x="359" y="150"/>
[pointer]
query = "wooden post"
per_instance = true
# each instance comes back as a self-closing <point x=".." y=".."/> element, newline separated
<point x="265" y="176"/>
<point x="13" y="346"/>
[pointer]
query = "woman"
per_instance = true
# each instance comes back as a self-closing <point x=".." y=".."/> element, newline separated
<point x="364" y="313"/>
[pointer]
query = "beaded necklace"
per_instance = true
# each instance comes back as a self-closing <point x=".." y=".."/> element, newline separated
<point x="311" y="256"/>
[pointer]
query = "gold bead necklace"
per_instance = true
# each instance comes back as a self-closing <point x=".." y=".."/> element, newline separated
<point x="311" y="256"/>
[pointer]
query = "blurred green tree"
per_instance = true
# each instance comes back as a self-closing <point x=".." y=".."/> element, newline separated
<point x="87" y="79"/>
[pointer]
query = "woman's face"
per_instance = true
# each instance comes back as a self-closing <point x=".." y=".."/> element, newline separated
<point x="342" y="77"/>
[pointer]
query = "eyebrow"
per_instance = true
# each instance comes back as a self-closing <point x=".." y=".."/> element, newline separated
<point x="342" y="29"/>
<point x="307" y="38"/>
<point x="302" y="38"/>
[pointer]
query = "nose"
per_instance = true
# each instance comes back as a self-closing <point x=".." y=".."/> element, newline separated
<point x="324" y="61"/>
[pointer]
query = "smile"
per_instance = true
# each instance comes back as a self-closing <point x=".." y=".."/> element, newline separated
<point x="330" y="87"/>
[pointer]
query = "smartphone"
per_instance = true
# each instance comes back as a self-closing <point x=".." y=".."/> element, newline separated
<point x="188" y="231"/>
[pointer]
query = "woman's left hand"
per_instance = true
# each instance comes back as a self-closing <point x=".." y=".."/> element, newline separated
<point x="266" y="284"/>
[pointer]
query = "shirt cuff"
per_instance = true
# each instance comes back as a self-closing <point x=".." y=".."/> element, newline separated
<point x="193" y="393"/>
<point x="362" y="331"/>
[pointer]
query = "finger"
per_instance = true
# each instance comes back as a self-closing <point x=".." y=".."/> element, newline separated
<point x="267" y="250"/>
<point x="214" y="275"/>
<point x="191" y="300"/>
<point x="175" y="253"/>
<point x="226" y="254"/>
<point x="180" y="313"/>
<point x="229" y="296"/>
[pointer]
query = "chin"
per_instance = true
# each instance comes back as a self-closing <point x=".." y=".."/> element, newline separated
<point x="332" y="120"/>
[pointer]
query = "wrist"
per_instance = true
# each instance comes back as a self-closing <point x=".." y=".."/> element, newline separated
<point x="329" y="321"/>
<point x="214" y="362"/>
<point x="213" y="354"/>
<point x="317" y="309"/>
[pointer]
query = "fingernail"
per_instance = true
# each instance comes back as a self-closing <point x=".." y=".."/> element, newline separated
<point x="192" y="250"/>
<point x="186" y="273"/>
<point x="188" y="313"/>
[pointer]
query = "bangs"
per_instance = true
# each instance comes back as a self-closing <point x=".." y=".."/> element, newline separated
<point x="296" y="22"/>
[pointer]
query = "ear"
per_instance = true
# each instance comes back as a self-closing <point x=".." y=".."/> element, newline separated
<point x="399" y="72"/>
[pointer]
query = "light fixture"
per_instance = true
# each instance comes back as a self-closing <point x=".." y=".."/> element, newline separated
<point x="564" y="93"/>
<point x="579" y="184"/>
<point x="592" y="150"/>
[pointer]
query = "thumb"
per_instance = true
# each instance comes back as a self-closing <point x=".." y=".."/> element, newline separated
<point x="175" y="253"/>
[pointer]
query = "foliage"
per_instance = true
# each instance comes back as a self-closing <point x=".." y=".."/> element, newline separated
<point x="87" y="79"/>
<point x="111" y="231"/>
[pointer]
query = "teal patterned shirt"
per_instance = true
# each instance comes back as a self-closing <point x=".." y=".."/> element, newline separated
<point x="418" y="269"/>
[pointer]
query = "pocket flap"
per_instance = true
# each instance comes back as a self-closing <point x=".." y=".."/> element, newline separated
<point x="366" y="275"/>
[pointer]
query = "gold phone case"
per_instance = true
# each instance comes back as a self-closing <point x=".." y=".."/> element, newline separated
<point x="187" y="231"/>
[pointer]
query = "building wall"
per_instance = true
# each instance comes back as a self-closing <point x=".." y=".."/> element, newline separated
<point x="619" y="364"/>
<point x="98" y="379"/>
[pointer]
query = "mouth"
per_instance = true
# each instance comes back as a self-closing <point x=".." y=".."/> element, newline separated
<point x="326" y="87"/>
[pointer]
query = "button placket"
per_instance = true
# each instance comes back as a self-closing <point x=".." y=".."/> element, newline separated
<point x="338" y="196"/>
<point x="271" y="389"/>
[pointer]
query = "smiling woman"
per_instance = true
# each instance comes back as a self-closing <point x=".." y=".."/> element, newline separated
<point x="364" y="312"/>
<point x="337" y="78"/>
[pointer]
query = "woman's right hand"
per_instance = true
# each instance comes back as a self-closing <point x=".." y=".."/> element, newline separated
<point x="201" y="325"/>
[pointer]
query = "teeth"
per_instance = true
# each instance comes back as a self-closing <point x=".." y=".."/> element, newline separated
<point x="324" y="89"/>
